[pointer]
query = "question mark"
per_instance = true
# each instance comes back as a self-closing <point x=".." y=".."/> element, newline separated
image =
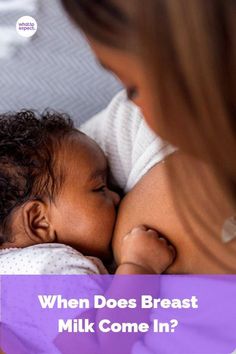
<point x="174" y="323"/>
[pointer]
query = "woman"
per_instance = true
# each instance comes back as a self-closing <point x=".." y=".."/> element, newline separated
<point x="177" y="60"/>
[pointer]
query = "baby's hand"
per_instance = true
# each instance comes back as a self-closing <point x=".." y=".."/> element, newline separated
<point x="144" y="248"/>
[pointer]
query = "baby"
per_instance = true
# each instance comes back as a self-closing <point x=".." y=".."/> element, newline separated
<point x="56" y="210"/>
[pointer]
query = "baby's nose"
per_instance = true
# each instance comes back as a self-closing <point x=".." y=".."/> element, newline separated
<point x="115" y="197"/>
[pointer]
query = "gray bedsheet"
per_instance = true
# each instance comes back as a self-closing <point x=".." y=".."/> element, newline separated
<point x="54" y="69"/>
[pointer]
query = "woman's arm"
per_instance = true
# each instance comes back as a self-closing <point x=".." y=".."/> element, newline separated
<point x="154" y="202"/>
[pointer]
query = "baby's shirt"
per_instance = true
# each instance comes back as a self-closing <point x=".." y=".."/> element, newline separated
<point x="44" y="259"/>
<point x="131" y="147"/>
<point x="48" y="258"/>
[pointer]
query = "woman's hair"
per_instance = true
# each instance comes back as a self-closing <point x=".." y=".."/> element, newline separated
<point x="188" y="48"/>
<point x="29" y="144"/>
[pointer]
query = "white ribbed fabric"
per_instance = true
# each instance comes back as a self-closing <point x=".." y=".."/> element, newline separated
<point x="129" y="144"/>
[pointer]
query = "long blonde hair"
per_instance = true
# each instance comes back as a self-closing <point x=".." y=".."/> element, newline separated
<point x="189" y="51"/>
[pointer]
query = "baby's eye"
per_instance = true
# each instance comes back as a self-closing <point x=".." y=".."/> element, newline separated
<point x="101" y="188"/>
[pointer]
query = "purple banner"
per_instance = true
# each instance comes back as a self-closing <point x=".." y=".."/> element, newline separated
<point x="118" y="314"/>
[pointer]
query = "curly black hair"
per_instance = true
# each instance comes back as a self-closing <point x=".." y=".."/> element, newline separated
<point x="28" y="145"/>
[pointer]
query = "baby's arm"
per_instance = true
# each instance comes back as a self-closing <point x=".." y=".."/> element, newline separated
<point x="143" y="251"/>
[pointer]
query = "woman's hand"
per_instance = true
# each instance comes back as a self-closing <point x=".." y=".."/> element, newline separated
<point x="144" y="248"/>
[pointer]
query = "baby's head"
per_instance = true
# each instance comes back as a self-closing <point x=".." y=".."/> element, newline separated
<point x="53" y="185"/>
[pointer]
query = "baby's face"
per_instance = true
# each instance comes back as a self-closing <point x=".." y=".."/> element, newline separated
<point x="84" y="212"/>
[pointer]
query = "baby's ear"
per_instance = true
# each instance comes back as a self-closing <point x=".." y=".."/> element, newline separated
<point x="36" y="222"/>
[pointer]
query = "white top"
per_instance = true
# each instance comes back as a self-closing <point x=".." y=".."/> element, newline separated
<point x="48" y="258"/>
<point x="129" y="144"/>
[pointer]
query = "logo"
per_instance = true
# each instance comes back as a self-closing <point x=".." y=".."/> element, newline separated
<point x="26" y="26"/>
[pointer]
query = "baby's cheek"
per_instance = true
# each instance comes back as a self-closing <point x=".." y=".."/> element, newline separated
<point x="102" y="219"/>
<point x="123" y="224"/>
<point x="110" y="216"/>
<point x="108" y="221"/>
